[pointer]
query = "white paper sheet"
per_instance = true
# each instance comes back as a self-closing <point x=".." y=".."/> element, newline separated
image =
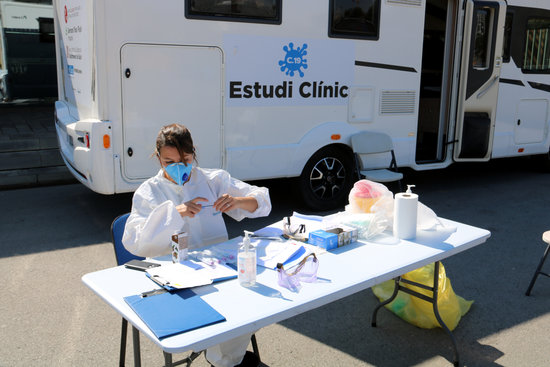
<point x="190" y="274"/>
<point x="272" y="252"/>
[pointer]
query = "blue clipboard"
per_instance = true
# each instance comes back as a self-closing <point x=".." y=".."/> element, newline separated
<point x="172" y="313"/>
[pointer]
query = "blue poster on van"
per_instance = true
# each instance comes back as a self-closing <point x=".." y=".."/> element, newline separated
<point x="269" y="71"/>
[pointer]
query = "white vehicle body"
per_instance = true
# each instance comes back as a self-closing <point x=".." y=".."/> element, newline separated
<point x="429" y="73"/>
<point x="27" y="58"/>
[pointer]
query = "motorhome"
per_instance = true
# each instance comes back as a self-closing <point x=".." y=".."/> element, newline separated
<point x="275" y="88"/>
<point x="27" y="51"/>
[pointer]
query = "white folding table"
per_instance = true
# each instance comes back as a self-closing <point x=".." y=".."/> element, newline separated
<point x="342" y="272"/>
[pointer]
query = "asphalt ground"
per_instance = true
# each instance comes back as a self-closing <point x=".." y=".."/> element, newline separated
<point x="51" y="236"/>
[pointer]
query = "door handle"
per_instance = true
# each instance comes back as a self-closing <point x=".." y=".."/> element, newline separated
<point x="486" y="89"/>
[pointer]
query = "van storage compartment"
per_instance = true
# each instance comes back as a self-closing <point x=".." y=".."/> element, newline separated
<point x="475" y="135"/>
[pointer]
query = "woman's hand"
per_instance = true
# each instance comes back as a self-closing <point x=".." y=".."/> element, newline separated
<point x="190" y="208"/>
<point x="227" y="202"/>
<point x="224" y="203"/>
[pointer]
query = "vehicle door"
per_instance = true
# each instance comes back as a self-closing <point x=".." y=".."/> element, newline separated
<point x="165" y="84"/>
<point x="481" y="61"/>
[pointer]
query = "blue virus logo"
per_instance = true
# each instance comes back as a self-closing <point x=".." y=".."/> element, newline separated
<point x="294" y="60"/>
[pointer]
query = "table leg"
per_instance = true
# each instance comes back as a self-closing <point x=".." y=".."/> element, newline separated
<point x="123" y="336"/>
<point x="137" y="352"/>
<point x="382" y="304"/>
<point x="255" y="346"/>
<point x="192" y="357"/>
<point x="432" y="300"/>
<point x="438" y="317"/>
<point x="167" y="359"/>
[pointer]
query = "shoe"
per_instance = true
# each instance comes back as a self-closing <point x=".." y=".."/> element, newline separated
<point x="250" y="360"/>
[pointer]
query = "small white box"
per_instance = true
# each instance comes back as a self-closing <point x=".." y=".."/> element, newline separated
<point x="179" y="247"/>
<point x="346" y="234"/>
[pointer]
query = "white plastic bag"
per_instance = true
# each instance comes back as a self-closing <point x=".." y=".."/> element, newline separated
<point x="368" y="225"/>
<point x="375" y="198"/>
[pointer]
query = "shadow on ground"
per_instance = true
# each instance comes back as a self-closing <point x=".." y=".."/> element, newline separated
<point x="495" y="275"/>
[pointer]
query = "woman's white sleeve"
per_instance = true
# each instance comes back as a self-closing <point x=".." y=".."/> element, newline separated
<point x="149" y="229"/>
<point x="237" y="188"/>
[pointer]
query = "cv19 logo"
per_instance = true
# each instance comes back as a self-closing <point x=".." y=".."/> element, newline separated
<point x="294" y="60"/>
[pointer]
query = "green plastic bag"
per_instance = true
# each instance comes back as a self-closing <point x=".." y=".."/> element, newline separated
<point x="418" y="311"/>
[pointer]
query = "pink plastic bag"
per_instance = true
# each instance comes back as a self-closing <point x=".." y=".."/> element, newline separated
<point x="365" y="194"/>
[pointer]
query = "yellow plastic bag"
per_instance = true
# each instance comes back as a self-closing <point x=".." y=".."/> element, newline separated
<point x="418" y="311"/>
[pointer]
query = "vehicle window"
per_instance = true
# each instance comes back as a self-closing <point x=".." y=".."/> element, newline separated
<point x="536" y="56"/>
<point x="261" y="11"/>
<point x="481" y="39"/>
<point x="507" y="37"/>
<point x="354" y="18"/>
<point x="46" y="30"/>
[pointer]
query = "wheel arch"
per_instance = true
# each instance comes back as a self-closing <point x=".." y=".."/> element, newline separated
<point x="320" y="138"/>
<point x="346" y="149"/>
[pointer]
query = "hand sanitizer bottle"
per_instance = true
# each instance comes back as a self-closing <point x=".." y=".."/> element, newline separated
<point x="246" y="262"/>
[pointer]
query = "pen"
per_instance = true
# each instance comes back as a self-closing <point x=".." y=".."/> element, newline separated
<point x="211" y="205"/>
<point x="207" y="261"/>
<point x="159" y="280"/>
<point x="272" y="238"/>
<point x="153" y="292"/>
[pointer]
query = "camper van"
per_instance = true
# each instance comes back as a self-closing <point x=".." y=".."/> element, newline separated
<point x="27" y="51"/>
<point x="277" y="88"/>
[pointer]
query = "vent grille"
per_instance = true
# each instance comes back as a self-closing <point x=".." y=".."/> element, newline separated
<point x="406" y="2"/>
<point x="397" y="102"/>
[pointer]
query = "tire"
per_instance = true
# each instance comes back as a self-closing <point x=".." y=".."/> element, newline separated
<point x="327" y="179"/>
<point x="543" y="162"/>
<point x="4" y="93"/>
<point x="3" y="90"/>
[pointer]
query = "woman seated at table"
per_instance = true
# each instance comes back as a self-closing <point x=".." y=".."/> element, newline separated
<point x="183" y="196"/>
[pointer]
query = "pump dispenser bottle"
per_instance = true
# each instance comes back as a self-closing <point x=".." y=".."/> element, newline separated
<point x="246" y="262"/>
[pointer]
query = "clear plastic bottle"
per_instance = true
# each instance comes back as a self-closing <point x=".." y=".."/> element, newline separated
<point x="246" y="262"/>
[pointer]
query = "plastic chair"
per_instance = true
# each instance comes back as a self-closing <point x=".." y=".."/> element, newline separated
<point x="545" y="238"/>
<point x="123" y="256"/>
<point x="368" y="142"/>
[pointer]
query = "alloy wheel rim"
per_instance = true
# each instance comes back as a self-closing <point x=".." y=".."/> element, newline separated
<point x="327" y="178"/>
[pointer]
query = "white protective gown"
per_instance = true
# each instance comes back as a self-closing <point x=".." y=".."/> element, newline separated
<point x="154" y="219"/>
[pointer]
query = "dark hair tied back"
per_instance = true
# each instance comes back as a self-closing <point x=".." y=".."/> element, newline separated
<point x="177" y="136"/>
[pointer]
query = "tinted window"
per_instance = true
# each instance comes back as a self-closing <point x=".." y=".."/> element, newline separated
<point x="536" y="56"/>
<point x="481" y="39"/>
<point x="507" y="38"/>
<point x="262" y="11"/>
<point x="46" y="30"/>
<point x="354" y="18"/>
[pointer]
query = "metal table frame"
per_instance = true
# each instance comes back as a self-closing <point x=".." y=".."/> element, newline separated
<point x="433" y="300"/>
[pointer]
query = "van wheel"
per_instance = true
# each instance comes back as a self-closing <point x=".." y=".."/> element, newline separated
<point x="543" y="161"/>
<point x="327" y="178"/>
<point x="3" y="90"/>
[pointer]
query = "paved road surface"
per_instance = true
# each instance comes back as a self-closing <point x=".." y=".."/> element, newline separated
<point x="51" y="236"/>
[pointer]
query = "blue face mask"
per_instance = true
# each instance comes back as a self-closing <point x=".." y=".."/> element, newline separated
<point x="179" y="172"/>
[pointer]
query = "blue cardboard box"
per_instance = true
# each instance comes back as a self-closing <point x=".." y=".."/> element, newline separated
<point x="323" y="239"/>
